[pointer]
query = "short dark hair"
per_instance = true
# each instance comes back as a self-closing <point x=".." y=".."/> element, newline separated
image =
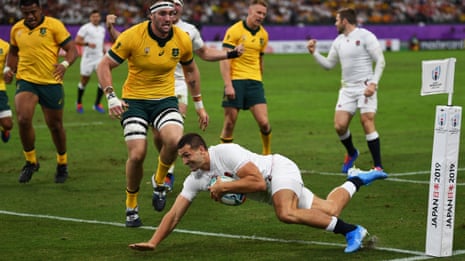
<point x="259" y="2"/>
<point x="349" y="14"/>
<point x="192" y="139"/>
<point x="29" y="2"/>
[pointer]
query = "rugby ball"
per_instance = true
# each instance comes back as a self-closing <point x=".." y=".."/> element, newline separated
<point x="230" y="199"/>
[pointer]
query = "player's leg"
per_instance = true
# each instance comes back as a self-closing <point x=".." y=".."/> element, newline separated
<point x="168" y="129"/>
<point x="231" y="109"/>
<point x="260" y="113"/>
<point x="52" y="97"/>
<point x="98" y="100"/>
<point x="137" y="149"/>
<point x="229" y="122"/>
<point x="286" y="202"/>
<point x="6" y="122"/>
<point x="367" y="118"/>
<point x="345" y="109"/>
<point x="180" y="90"/>
<point x="26" y="99"/>
<point x="86" y="68"/>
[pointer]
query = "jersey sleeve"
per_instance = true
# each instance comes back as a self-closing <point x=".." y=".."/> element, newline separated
<point x="265" y="39"/>
<point x="230" y="39"/>
<point x="82" y="31"/>
<point x="62" y="36"/>
<point x="192" y="185"/>
<point x="121" y="49"/>
<point x="197" y="41"/>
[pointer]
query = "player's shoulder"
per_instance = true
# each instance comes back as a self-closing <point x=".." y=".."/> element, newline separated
<point x="52" y="21"/>
<point x="227" y="148"/>
<point x="188" y="27"/>
<point x="239" y="25"/>
<point x="4" y="47"/>
<point x="364" y="32"/>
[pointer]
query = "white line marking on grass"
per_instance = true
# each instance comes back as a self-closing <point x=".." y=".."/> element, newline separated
<point x="419" y="255"/>
<point x="424" y="257"/>
<point x="73" y="124"/>
<point x="391" y="176"/>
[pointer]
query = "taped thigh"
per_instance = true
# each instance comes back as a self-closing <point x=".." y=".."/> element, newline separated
<point x="168" y="116"/>
<point x="134" y="128"/>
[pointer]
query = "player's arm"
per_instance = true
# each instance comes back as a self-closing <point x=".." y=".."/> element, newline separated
<point x="115" y="106"/>
<point x="192" y="73"/>
<point x="262" y="64"/>
<point x="70" y="56"/>
<point x="326" y="62"/>
<point x="81" y="42"/>
<point x="212" y="54"/>
<point x="11" y="64"/>
<point x="110" y="23"/>
<point x="251" y="180"/>
<point x="166" y="226"/>
<point x="225" y="70"/>
<point x="376" y="54"/>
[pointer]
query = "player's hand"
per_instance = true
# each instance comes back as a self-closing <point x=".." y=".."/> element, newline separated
<point x="203" y="118"/>
<point x="229" y="92"/>
<point x="8" y="75"/>
<point x="239" y="49"/>
<point x="59" y="71"/>
<point x="145" y="246"/>
<point x="116" y="107"/>
<point x="311" y="46"/>
<point x="216" y="191"/>
<point x="110" y="20"/>
<point x="370" y="90"/>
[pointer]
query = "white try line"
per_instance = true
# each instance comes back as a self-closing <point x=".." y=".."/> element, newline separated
<point x="201" y="233"/>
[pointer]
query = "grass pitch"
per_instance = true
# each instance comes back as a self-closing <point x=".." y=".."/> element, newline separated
<point x="83" y="219"/>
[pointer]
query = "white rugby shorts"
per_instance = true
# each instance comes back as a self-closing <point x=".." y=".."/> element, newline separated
<point x="351" y="98"/>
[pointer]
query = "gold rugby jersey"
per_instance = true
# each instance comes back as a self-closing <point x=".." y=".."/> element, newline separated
<point x="4" y="47"/>
<point x="247" y="66"/>
<point x="151" y="60"/>
<point x="39" y="49"/>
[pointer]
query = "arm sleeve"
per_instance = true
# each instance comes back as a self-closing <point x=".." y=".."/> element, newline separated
<point x="376" y="53"/>
<point x="327" y="62"/>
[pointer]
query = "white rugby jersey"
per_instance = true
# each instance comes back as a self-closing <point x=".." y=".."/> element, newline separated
<point x="92" y="34"/>
<point x="226" y="159"/>
<point x="356" y="52"/>
<point x="197" y="43"/>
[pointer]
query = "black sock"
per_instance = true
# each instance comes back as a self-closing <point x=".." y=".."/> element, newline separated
<point x="374" y="146"/>
<point x="80" y="94"/>
<point x="349" y="145"/>
<point x="343" y="227"/>
<point x="99" y="96"/>
<point x="357" y="182"/>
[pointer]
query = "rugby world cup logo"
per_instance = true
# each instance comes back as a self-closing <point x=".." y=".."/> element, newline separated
<point x="455" y="121"/>
<point x="436" y="73"/>
<point x="441" y="120"/>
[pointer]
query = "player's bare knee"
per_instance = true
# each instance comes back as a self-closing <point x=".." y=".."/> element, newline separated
<point x="284" y="216"/>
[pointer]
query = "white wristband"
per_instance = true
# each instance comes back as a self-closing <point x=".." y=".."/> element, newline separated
<point x="65" y="64"/>
<point x="198" y="105"/>
<point x="6" y="69"/>
<point x="113" y="101"/>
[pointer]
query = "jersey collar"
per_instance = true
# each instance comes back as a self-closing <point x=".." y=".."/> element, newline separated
<point x="161" y="41"/>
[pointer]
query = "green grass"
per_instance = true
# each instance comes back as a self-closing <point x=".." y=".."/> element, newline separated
<point x="301" y="97"/>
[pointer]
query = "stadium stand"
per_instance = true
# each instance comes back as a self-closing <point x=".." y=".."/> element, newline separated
<point x="292" y="12"/>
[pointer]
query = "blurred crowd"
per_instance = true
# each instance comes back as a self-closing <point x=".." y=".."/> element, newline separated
<point x="293" y="12"/>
